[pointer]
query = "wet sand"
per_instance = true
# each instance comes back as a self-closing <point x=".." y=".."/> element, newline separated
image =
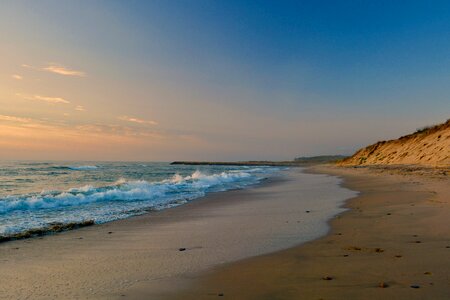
<point x="394" y="243"/>
<point x="148" y="256"/>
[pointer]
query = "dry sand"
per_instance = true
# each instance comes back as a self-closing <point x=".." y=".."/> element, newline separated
<point x="394" y="243"/>
<point x="140" y="257"/>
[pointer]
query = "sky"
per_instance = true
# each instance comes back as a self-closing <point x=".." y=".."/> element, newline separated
<point x="217" y="80"/>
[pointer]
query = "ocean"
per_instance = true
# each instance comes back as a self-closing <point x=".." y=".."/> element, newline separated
<point x="37" y="195"/>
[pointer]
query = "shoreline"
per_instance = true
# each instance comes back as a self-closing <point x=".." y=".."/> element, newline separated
<point x="373" y="250"/>
<point x="72" y="200"/>
<point x="58" y="228"/>
<point x="129" y="256"/>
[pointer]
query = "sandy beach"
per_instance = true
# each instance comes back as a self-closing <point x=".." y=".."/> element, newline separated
<point x="262" y="150"/>
<point x="393" y="243"/>
<point x="151" y="255"/>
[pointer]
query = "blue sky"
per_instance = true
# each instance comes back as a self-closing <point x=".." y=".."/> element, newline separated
<point x="221" y="79"/>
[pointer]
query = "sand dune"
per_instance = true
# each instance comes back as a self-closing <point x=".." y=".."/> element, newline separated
<point x="428" y="147"/>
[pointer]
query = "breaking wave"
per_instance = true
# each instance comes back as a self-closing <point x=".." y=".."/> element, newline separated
<point x="175" y="188"/>
<point x="36" y="196"/>
<point x="82" y="168"/>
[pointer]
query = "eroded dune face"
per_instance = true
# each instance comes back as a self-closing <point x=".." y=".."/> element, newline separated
<point x="429" y="147"/>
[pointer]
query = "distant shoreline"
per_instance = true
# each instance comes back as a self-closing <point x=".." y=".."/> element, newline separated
<point x="238" y="163"/>
<point x="297" y="162"/>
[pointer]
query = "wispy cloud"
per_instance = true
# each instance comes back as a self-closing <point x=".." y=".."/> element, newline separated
<point x="14" y="119"/>
<point x="61" y="70"/>
<point x="136" y="120"/>
<point x="80" y="108"/>
<point x="57" y="69"/>
<point x="18" y="77"/>
<point x="51" y="99"/>
<point x="121" y="131"/>
<point x="82" y="130"/>
<point x="43" y="98"/>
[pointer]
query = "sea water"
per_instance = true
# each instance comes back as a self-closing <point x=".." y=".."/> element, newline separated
<point x="35" y="195"/>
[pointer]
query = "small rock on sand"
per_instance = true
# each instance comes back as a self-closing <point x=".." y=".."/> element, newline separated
<point x="355" y="248"/>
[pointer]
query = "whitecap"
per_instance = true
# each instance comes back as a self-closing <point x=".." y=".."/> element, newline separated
<point x="82" y="168"/>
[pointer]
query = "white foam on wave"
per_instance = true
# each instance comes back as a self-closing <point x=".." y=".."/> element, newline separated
<point x="194" y="185"/>
<point x="82" y="168"/>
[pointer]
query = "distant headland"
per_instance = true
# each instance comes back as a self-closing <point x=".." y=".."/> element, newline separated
<point x="299" y="161"/>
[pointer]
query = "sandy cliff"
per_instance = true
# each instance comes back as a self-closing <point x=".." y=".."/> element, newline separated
<point x="429" y="147"/>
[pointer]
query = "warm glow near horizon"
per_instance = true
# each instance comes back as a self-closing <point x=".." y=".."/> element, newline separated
<point x="213" y="80"/>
